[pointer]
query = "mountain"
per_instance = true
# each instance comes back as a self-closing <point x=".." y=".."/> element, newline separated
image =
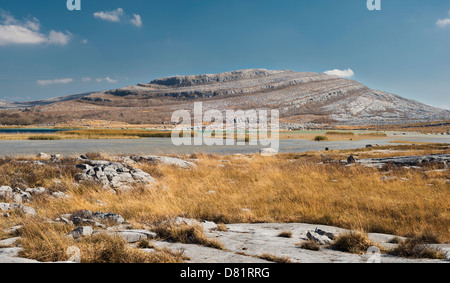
<point x="301" y="97"/>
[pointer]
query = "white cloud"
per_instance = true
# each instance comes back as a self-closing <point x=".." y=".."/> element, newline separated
<point x="136" y="20"/>
<point x="107" y="79"/>
<point x="33" y="24"/>
<point x="118" y="16"/>
<point x="341" y="73"/>
<point x="84" y="41"/>
<point x="111" y="16"/>
<point x="13" y="32"/>
<point x="443" y="22"/>
<point x="86" y="79"/>
<point x="58" y="38"/>
<point x="55" y="81"/>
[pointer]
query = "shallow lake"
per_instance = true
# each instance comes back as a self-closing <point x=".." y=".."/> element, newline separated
<point x="152" y="146"/>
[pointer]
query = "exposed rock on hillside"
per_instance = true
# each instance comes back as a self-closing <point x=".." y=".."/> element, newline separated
<point x="311" y="95"/>
<point x="301" y="97"/>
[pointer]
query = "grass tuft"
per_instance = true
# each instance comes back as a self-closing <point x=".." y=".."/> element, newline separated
<point x="285" y="234"/>
<point x="416" y="248"/>
<point x="309" y="245"/>
<point x="352" y="242"/>
<point x="320" y="138"/>
<point x="273" y="258"/>
<point x="187" y="235"/>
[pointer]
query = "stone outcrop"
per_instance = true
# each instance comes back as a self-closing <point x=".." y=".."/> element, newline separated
<point x="165" y="161"/>
<point x="440" y="159"/>
<point x="112" y="175"/>
<point x="18" y="207"/>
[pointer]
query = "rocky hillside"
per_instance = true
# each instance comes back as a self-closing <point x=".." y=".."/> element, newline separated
<point x="300" y="97"/>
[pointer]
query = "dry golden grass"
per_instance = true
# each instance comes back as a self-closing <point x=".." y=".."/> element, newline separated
<point x="285" y="188"/>
<point x="49" y="243"/>
<point x="352" y="242"/>
<point x="285" y="234"/>
<point x="187" y="235"/>
<point x="273" y="258"/>
<point x="309" y="245"/>
<point x="417" y="248"/>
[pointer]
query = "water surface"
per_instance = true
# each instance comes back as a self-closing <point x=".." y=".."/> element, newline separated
<point x="152" y="146"/>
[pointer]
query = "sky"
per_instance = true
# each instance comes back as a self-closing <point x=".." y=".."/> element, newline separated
<point x="47" y="50"/>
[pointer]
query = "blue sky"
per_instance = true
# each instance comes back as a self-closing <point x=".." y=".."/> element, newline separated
<point x="47" y="50"/>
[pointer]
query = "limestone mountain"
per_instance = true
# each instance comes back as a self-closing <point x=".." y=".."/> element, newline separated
<point x="300" y="96"/>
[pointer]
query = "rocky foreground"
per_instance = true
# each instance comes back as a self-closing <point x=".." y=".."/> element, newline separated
<point x="244" y="243"/>
<point x="239" y="243"/>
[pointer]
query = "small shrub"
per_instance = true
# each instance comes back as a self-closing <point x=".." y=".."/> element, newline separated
<point x="414" y="248"/>
<point x="94" y="155"/>
<point x="43" y="138"/>
<point x="145" y="244"/>
<point x="309" y="245"/>
<point x="428" y="237"/>
<point x="273" y="258"/>
<point x="320" y="138"/>
<point x="113" y="249"/>
<point x="222" y="228"/>
<point x="285" y="234"/>
<point x="395" y="240"/>
<point x="187" y="235"/>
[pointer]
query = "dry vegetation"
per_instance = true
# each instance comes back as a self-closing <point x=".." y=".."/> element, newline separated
<point x="187" y="235"/>
<point x="276" y="259"/>
<point x="424" y="127"/>
<point x="285" y="188"/>
<point x="352" y="242"/>
<point x="48" y="243"/>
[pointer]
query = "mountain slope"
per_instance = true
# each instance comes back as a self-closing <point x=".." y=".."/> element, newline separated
<point x="300" y="97"/>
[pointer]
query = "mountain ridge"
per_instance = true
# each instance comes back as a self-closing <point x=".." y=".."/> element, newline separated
<point x="301" y="97"/>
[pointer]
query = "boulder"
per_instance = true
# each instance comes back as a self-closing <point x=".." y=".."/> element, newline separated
<point x="115" y="219"/>
<point x="18" y="207"/>
<point x="351" y="159"/>
<point x="324" y="233"/>
<point x="80" y="232"/>
<point x="319" y="239"/>
<point x="60" y="195"/>
<point x="6" y="193"/>
<point x="206" y="225"/>
<point x="36" y="191"/>
<point x="112" y="175"/>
